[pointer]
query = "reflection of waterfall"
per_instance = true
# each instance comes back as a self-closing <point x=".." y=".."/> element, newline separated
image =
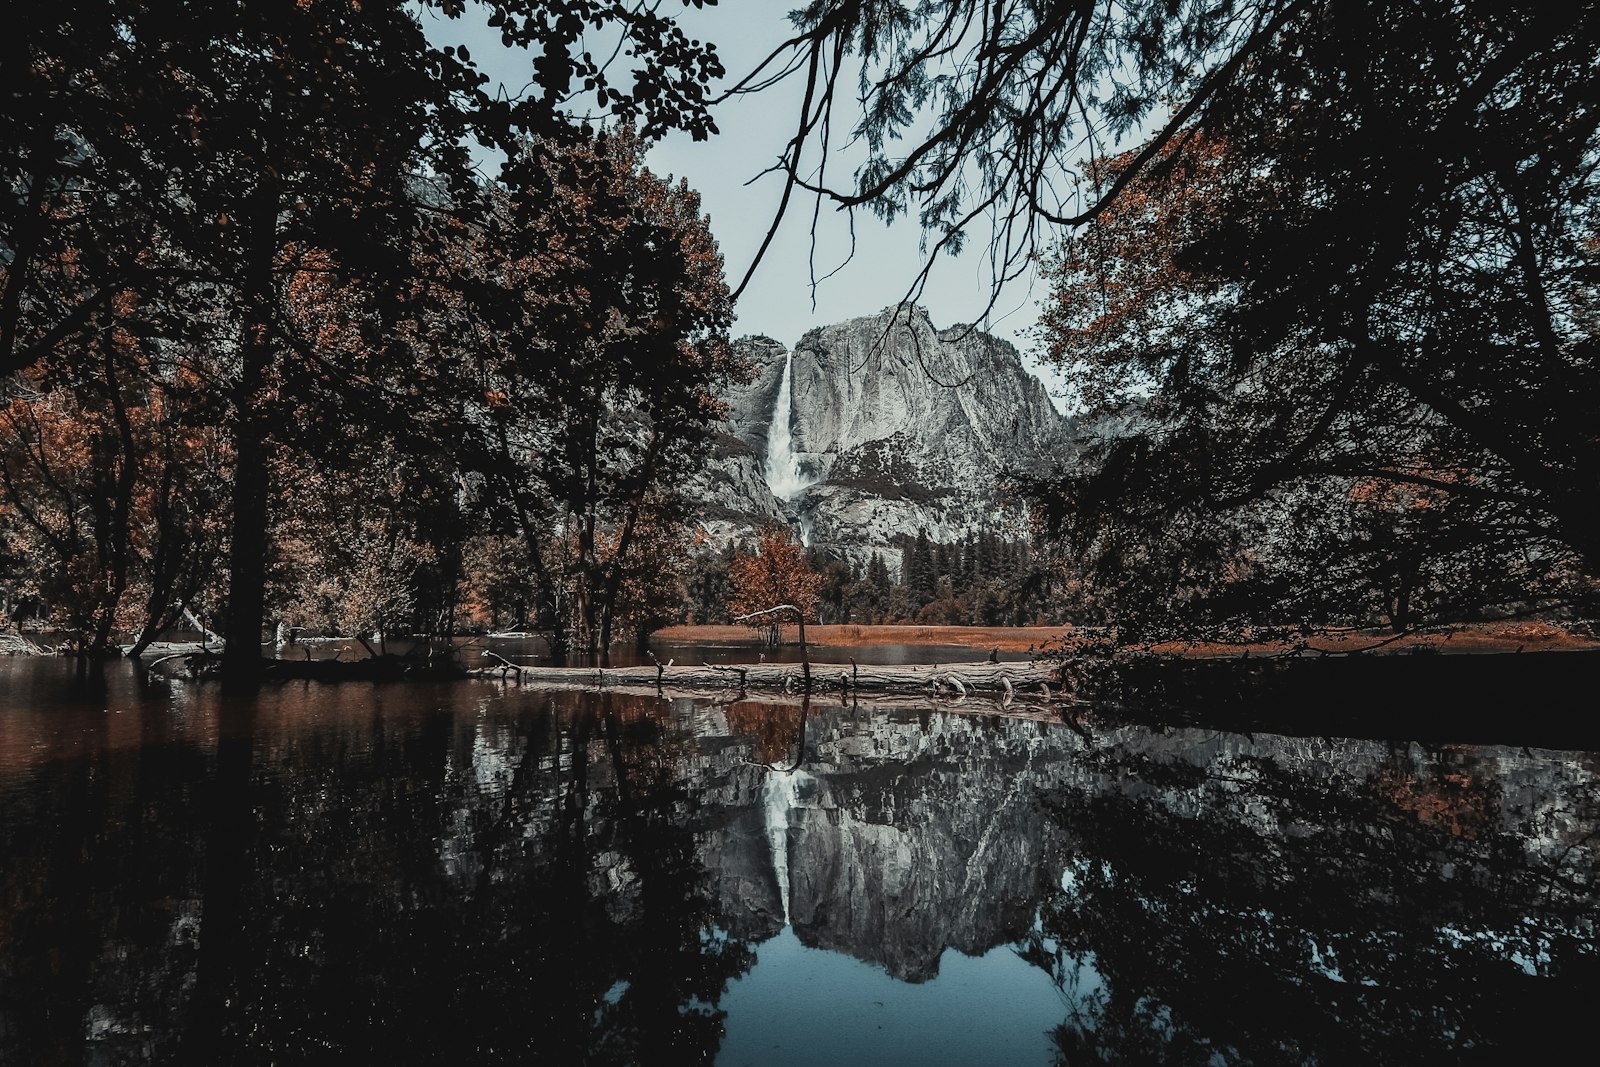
<point x="780" y="796"/>
<point x="783" y="473"/>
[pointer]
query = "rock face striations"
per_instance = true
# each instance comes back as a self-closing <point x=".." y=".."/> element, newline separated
<point x="872" y="429"/>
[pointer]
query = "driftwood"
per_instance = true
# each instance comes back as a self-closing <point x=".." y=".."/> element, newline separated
<point x="172" y="649"/>
<point x="660" y="667"/>
<point x="17" y="645"/>
<point x="906" y="700"/>
<point x="740" y="671"/>
<point x="959" y="678"/>
<point x="207" y="637"/>
<point x="506" y="666"/>
<point x="805" y="654"/>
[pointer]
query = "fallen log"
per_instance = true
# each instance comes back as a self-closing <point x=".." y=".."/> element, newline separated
<point x="173" y="649"/>
<point x="740" y="671"/>
<point x="961" y="678"/>
<point x="725" y="695"/>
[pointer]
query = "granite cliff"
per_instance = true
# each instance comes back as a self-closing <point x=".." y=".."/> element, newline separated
<point x="875" y="428"/>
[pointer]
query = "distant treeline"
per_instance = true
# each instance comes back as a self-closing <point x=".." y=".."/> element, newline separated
<point x="982" y="580"/>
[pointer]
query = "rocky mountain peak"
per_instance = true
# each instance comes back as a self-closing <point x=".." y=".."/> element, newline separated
<point x="877" y="427"/>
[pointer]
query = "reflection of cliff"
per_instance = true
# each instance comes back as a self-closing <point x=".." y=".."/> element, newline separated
<point x="902" y="834"/>
<point x="922" y="835"/>
<point x="911" y="834"/>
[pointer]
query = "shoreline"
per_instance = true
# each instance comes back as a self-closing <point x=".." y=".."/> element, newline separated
<point x="832" y="635"/>
<point x="1474" y="638"/>
<point x="1487" y="638"/>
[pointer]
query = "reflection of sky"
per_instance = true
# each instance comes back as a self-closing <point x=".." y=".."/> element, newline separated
<point x="808" y="1005"/>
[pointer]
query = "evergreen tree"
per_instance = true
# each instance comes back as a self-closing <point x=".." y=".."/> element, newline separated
<point x="878" y="575"/>
<point x="922" y="572"/>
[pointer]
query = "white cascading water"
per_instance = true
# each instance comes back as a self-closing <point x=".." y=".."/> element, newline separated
<point x="780" y="796"/>
<point x="783" y="473"/>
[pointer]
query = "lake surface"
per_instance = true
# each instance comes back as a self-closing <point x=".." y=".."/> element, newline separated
<point x="475" y="873"/>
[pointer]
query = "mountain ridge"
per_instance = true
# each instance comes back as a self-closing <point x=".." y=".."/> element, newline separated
<point x="893" y="427"/>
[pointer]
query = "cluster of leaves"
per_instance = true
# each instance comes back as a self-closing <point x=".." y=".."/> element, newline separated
<point x="265" y="216"/>
<point x="776" y="575"/>
<point x="1335" y="339"/>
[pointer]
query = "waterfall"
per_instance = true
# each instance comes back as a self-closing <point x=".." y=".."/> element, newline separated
<point x="780" y="796"/>
<point x="783" y="473"/>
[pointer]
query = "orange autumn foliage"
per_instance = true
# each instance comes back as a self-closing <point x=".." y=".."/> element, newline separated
<point x="776" y="574"/>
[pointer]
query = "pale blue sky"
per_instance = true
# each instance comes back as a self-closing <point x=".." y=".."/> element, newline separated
<point x="754" y="130"/>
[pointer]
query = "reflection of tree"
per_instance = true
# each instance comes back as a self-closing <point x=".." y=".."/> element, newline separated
<point x="1255" y="911"/>
<point x="397" y="889"/>
<point x="677" y="961"/>
<point x="777" y="730"/>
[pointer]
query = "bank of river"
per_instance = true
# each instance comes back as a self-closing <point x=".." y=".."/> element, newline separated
<point x="1484" y="637"/>
<point x="917" y="643"/>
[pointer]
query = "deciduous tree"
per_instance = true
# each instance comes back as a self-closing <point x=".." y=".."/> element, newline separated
<point x="112" y="484"/>
<point x="1298" y="316"/>
<point x="777" y="573"/>
<point x="197" y="153"/>
<point x="602" y="373"/>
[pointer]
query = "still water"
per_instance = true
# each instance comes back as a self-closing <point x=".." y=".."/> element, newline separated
<point x="475" y="873"/>
<point x="535" y="651"/>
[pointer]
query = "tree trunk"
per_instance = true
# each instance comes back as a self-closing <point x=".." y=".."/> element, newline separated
<point x="607" y="610"/>
<point x="118" y="539"/>
<point x="247" y="550"/>
<point x="560" y="644"/>
<point x="164" y="566"/>
<point x="805" y="653"/>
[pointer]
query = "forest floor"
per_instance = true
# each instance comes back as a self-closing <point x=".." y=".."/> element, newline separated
<point x="1530" y="636"/>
